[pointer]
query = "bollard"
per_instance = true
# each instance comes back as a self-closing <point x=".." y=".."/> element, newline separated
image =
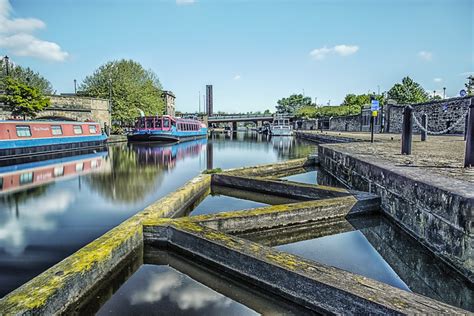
<point x="466" y="123"/>
<point x="469" y="155"/>
<point x="424" y="123"/>
<point x="407" y="130"/>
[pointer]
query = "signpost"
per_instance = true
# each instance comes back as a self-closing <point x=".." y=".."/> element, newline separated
<point x="374" y="107"/>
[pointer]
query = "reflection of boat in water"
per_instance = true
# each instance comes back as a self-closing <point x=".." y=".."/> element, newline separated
<point x="281" y="126"/>
<point x="167" y="128"/>
<point x="167" y="155"/>
<point x="20" y="139"/>
<point x="282" y="144"/>
<point x="23" y="176"/>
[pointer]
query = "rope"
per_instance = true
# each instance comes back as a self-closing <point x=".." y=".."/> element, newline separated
<point x="459" y="121"/>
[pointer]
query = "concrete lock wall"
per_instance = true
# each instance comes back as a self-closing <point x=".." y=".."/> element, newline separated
<point x="71" y="108"/>
<point x="436" y="213"/>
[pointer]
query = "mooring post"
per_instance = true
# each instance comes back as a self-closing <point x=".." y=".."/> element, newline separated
<point x="407" y="130"/>
<point x="424" y="123"/>
<point x="466" y="123"/>
<point x="469" y="156"/>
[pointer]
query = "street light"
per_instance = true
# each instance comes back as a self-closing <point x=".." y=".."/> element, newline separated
<point x="444" y="93"/>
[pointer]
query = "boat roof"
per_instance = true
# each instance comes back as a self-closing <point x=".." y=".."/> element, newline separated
<point x="45" y="122"/>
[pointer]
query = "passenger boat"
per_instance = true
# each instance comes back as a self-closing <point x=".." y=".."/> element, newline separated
<point x="281" y="126"/>
<point x="167" y="128"/>
<point x="29" y="138"/>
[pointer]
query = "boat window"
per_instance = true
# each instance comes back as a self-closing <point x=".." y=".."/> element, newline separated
<point x="158" y="122"/>
<point x="92" y="129"/>
<point x="23" y="131"/>
<point x="58" y="171"/>
<point x="77" y="129"/>
<point x="94" y="164"/>
<point x="1" y="183"/>
<point x="150" y="123"/>
<point x="141" y="123"/>
<point x="26" y="178"/>
<point x="166" y="122"/>
<point x="56" y="130"/>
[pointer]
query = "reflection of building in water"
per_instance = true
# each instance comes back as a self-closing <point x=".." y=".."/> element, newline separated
<point x="25" y="176"/>
<point x="167" y="155"/>
<point x="209" y="157"/>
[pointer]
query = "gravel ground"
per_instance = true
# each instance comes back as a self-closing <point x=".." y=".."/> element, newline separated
<point x="442" y="155"/>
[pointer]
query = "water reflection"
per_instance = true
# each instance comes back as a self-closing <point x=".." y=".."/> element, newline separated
<point x="43" y="220"/>
<point x="168" y="283"/>
<point x="376" y="248"/>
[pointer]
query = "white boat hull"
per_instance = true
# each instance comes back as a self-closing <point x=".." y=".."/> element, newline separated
<point x="281" y="131"/>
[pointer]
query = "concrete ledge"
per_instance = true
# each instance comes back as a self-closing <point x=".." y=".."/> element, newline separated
<point x="269" y="169"/>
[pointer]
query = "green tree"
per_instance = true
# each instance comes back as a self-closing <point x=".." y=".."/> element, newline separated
<point x="408" y="92"/>
<point x="27" y="76"/>
<point x="22" y="99"/>
<point x="133" y="88"/>
<point x="291" y="104"/>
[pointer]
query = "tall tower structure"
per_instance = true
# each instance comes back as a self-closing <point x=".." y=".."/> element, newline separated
<point x="209" y="100"/>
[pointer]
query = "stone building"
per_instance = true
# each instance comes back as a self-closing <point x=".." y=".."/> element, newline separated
<point x="71" y="108"/>
<point x="169" y="98"/>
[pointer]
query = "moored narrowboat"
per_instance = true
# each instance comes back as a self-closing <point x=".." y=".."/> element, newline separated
<point x="167" y="128"/>
<point x="28" y="138"/>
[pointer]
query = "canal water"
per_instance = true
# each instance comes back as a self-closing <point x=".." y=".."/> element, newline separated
<point x="51" y="208"/>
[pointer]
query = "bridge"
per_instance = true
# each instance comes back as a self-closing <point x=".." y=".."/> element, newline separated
<point x="258" y="119"/>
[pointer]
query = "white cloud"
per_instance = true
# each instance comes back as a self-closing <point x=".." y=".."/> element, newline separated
<point x="185" y="2"/>
<point x="428" y="56"/>
<point x="237" y="77"/>
<point x="16" y="37"/>
<point x="346" y="50"/>
<point x="160" y="285"/>
<point x="36" y="215"/>
<point x="341" y="50"/>
<point x="438" y="80"/>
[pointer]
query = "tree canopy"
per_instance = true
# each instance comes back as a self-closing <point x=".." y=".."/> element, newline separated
<point x="22" y="99"/>
<point x="133" y="88"/>
<point x="408" y="92"/>
<point x="27" y="76"/>
<point x="291" y="104"/>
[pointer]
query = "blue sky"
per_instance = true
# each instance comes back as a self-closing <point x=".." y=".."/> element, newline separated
<point x="253" y="52"/>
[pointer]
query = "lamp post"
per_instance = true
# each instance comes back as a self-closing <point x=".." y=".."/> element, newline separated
<point x="444" y="93"/>
<point x="75" y="86"/>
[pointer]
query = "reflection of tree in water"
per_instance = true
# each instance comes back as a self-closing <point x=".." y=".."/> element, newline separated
<point x="128" y="180"/>
<point x="17" y="198"/>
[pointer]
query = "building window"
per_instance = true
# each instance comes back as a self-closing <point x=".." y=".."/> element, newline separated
<point x="77" y="129"/>
<point x="23" y="131"/>
<point x="26" y="178"/>
<point x="56" y="130"/>
<point x="92" y="129"/>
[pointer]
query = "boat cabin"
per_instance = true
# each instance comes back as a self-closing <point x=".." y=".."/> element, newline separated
<point x="165" y="122"/>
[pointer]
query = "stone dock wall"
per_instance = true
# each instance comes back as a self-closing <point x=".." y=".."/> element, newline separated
<point x="437" y="212"/>
<point x="441" y="115"/>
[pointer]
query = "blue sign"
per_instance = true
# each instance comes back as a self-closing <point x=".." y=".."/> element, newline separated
<point x="463" y="93"/>
<point x="375" y="105"/>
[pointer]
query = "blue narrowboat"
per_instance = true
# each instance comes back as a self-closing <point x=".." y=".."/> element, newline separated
<point x="167" y="128"/>
<point x="30" y="138"/>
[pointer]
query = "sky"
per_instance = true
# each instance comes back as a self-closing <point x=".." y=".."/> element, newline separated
<point x="252" y="52"/>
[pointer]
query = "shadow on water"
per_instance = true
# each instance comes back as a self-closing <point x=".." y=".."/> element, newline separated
<point x="166" y="283"/>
